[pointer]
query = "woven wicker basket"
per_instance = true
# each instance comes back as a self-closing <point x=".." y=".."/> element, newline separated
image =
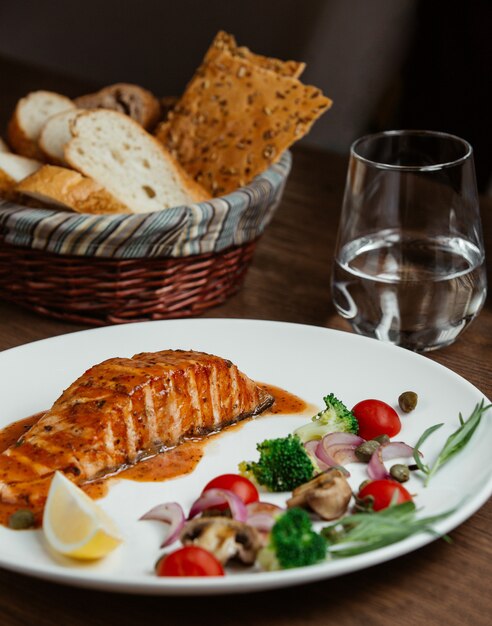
<point x="102" y="270"/>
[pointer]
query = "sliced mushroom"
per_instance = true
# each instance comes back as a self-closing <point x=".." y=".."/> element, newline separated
<point x="328" y="495"/>
<point x="226" y="538"/>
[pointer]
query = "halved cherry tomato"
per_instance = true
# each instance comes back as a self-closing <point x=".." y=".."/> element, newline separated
<point x="383" y="491"/>
<point x="376" y="418"/>
<point x="189" y="561"/>
<point x="236" y="483"/>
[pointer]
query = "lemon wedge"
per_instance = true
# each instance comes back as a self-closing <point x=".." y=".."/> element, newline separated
<point x="75" y="525"/>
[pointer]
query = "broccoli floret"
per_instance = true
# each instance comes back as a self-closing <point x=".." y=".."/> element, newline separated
<point x="334" y="418"/>
<point x="283" y="465"/>
<point x="292" y="543"/>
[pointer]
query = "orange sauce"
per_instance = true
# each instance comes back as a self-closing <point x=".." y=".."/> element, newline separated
<point x="287" y="403"/>
<point x="12" y="432"/>
<point x="169" y="464"/>
<point x="8" y="436"/>
<point x="172" y="463"/>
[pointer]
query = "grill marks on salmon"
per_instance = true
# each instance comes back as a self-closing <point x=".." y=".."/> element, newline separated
<point x="123" y="410"/>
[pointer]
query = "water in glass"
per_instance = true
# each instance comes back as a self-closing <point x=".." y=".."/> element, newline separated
<point x="408" y="289"/>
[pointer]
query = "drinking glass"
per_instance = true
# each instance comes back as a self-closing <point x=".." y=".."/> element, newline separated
<point x="409" y="263"/>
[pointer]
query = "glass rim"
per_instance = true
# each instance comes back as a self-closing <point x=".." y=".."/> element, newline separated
<point x="409" y="168"/>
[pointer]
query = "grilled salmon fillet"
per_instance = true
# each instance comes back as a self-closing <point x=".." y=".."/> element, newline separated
<point x="123" y="410"/>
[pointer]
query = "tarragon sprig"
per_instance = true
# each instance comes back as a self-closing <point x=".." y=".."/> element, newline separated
<point x="366" y="531"/>
<point x="454" y="443"/>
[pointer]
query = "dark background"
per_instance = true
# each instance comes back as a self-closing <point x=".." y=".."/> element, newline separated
<point x="446" y="77"/>
<point x="385" y="63"/>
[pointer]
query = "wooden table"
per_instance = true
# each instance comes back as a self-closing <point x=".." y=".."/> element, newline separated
<point x="289" y="280"/>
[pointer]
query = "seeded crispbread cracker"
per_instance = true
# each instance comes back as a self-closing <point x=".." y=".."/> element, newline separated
<point x="236" y="118"/>
<point x="225" y="41"/>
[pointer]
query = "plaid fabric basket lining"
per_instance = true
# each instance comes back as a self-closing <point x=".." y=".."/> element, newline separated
<point x="107" y="269"/>
<point x="200" y="228"/>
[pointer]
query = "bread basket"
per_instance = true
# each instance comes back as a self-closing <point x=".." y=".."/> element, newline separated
<point x="110" y="269"/>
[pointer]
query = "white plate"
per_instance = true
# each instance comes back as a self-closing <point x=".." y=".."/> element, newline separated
<point x="307" y="361"/>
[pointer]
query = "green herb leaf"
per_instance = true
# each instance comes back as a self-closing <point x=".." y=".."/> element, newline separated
<point x="458" y="440"/>
<point x="416" y="451"/>
<point x="363" y="532"/>
<point x="454" y="443"/>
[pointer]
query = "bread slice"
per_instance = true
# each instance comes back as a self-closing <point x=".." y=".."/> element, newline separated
<point x="13" y="169"/>
<point x="236" y="118"/>
<point x="29" y="117"/>
<point x="133" y="166"/>
<point x="133" y="100"/>
<point x="55" y="135"/>
<point x="3" y="146"/>
<point x="66" y="189"/>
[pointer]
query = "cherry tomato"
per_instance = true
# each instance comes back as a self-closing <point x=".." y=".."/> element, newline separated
<point x="383" y="491"/>
<point x="376" y="418"/>
<point x="189" y="561"/>
<point x="236" y="483"/>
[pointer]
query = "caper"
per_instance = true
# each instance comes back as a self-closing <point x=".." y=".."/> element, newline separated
<point x="381" y="439"/>
<point x="408" y="401"/>
<point x="365" y="451"/>
<point x="400" y="472"/>
<point x="21" y="519"/>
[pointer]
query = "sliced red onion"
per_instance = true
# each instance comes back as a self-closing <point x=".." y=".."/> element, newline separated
<point x="385" y="452"/>
<point x="310" y="447"/>
<point x="262" y="515"/>
<point x="214" y="497"/>
<point x="348" y="438"/>
<point x="171" y="513"/>
<point x="341" y="454"/>
<point x="338" y="448"/>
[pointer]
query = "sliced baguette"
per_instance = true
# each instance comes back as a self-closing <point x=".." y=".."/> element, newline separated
<point x="3" y="146"/>
<point x="66" y="189"/>
<point x="55" y="135"/>
<point x="133" y="100"/>
<point x="29" y="117"/>
<point x="133" y="166"/>
<point x="13" y="169"/>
